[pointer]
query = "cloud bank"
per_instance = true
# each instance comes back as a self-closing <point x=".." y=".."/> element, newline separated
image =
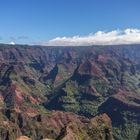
<point x="115" y="37"/>
<point x="12" y="43"/>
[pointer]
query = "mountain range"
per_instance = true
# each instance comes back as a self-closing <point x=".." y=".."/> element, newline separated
<point x="70" y="93"/>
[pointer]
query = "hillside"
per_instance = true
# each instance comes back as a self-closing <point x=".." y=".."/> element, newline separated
<point x="70" y="93"/>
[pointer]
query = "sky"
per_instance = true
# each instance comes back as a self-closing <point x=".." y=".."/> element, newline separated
<point x="61" y="22"/>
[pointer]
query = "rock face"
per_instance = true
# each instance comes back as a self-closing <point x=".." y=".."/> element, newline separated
<point x="98" y="128"/>
<point x="55" y="125"/>
<point x="38" y="85"/>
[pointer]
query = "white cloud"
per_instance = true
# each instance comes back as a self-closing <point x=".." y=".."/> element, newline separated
<point x="12" y="43"/>
<point x="115" y="37"/>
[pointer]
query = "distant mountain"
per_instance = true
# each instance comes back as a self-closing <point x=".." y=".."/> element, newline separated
<point x="44" y="91"/>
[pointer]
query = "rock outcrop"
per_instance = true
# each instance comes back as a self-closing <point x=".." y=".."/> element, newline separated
<point x="54" y="126"/>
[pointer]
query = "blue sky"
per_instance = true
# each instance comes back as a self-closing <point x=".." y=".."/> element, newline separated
<point x="27" y="21"/>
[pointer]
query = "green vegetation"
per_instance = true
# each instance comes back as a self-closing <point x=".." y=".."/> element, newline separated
<point x="83" y="81"/>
